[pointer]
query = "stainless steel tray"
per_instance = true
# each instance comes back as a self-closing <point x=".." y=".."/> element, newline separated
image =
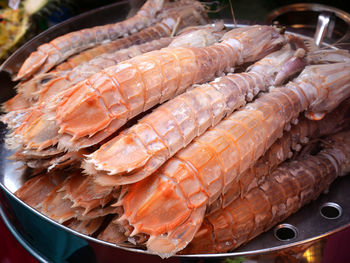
<point x="305" y="17"/>
<point x="50" y="241"/>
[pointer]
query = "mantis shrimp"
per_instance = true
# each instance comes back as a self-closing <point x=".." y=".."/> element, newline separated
<point x="50" y="54"/>
<point x="110" y="98"/>
<point x="64" y="74"/>
<point x="284" y="191"/>
<point x="184" y="13"/>
<point x="201" y="158"/>
<point x="203" y="36"/>
<point x="282" y="149"/>
<point x="139" y="151"/>
<point x="64" y="198"/>
<point x="196" y="176"/>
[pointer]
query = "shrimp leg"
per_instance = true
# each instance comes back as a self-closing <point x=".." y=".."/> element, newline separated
<point x="37" y="189"/>
<point x="86" y="227"/>
<point x="63" y="197"/>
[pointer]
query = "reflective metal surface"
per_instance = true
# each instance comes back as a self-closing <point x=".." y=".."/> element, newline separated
<point x="305" y="18"/>
<point x="322" y="25"/>
<point x="51" y="241"/>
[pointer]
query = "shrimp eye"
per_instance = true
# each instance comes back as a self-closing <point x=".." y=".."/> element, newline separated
<point x="44" y="80"/>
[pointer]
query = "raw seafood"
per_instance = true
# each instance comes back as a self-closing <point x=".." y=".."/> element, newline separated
<point x="197" y="175"/>
<point x="50" y="54"/>
<point x="139" y="151"/>
<point x="283" y="192"/>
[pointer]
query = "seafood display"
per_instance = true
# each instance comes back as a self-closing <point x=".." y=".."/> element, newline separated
<point x="68" y="73"/>
<point x="283" y="149"/>
<point x="133" y="150"/>
<point x="50" y="54"/>
<point x="280" y="194"/>
<point x="164" y="133"/>
<point x="195" y="177"/>
<point x="33" y="91"/>
<point x="183" y="14"/>
<point x="111" y="97"/>
<point x="204" y="35"/>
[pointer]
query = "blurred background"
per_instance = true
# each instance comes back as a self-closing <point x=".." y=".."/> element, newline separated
<point x="256" y="10"/>
<point x="20" y="20"/>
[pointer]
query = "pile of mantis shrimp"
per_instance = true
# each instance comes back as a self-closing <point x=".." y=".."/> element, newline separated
<point x="175" y="135"/>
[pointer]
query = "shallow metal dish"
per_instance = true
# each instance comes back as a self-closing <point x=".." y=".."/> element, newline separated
<point x="303" y="17"/>
<point x="50" y="241"/>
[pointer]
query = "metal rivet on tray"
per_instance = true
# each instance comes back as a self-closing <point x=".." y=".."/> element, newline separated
<point x="285" y="232"/>
<point x="331" y="210"/>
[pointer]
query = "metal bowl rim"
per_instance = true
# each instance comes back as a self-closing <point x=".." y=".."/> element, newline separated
<point x="307" y="7"/>
<point x="229" y="254"/>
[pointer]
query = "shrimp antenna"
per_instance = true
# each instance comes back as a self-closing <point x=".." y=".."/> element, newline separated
<point x="233" y="14"/>
<point x="340" y="44"/>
